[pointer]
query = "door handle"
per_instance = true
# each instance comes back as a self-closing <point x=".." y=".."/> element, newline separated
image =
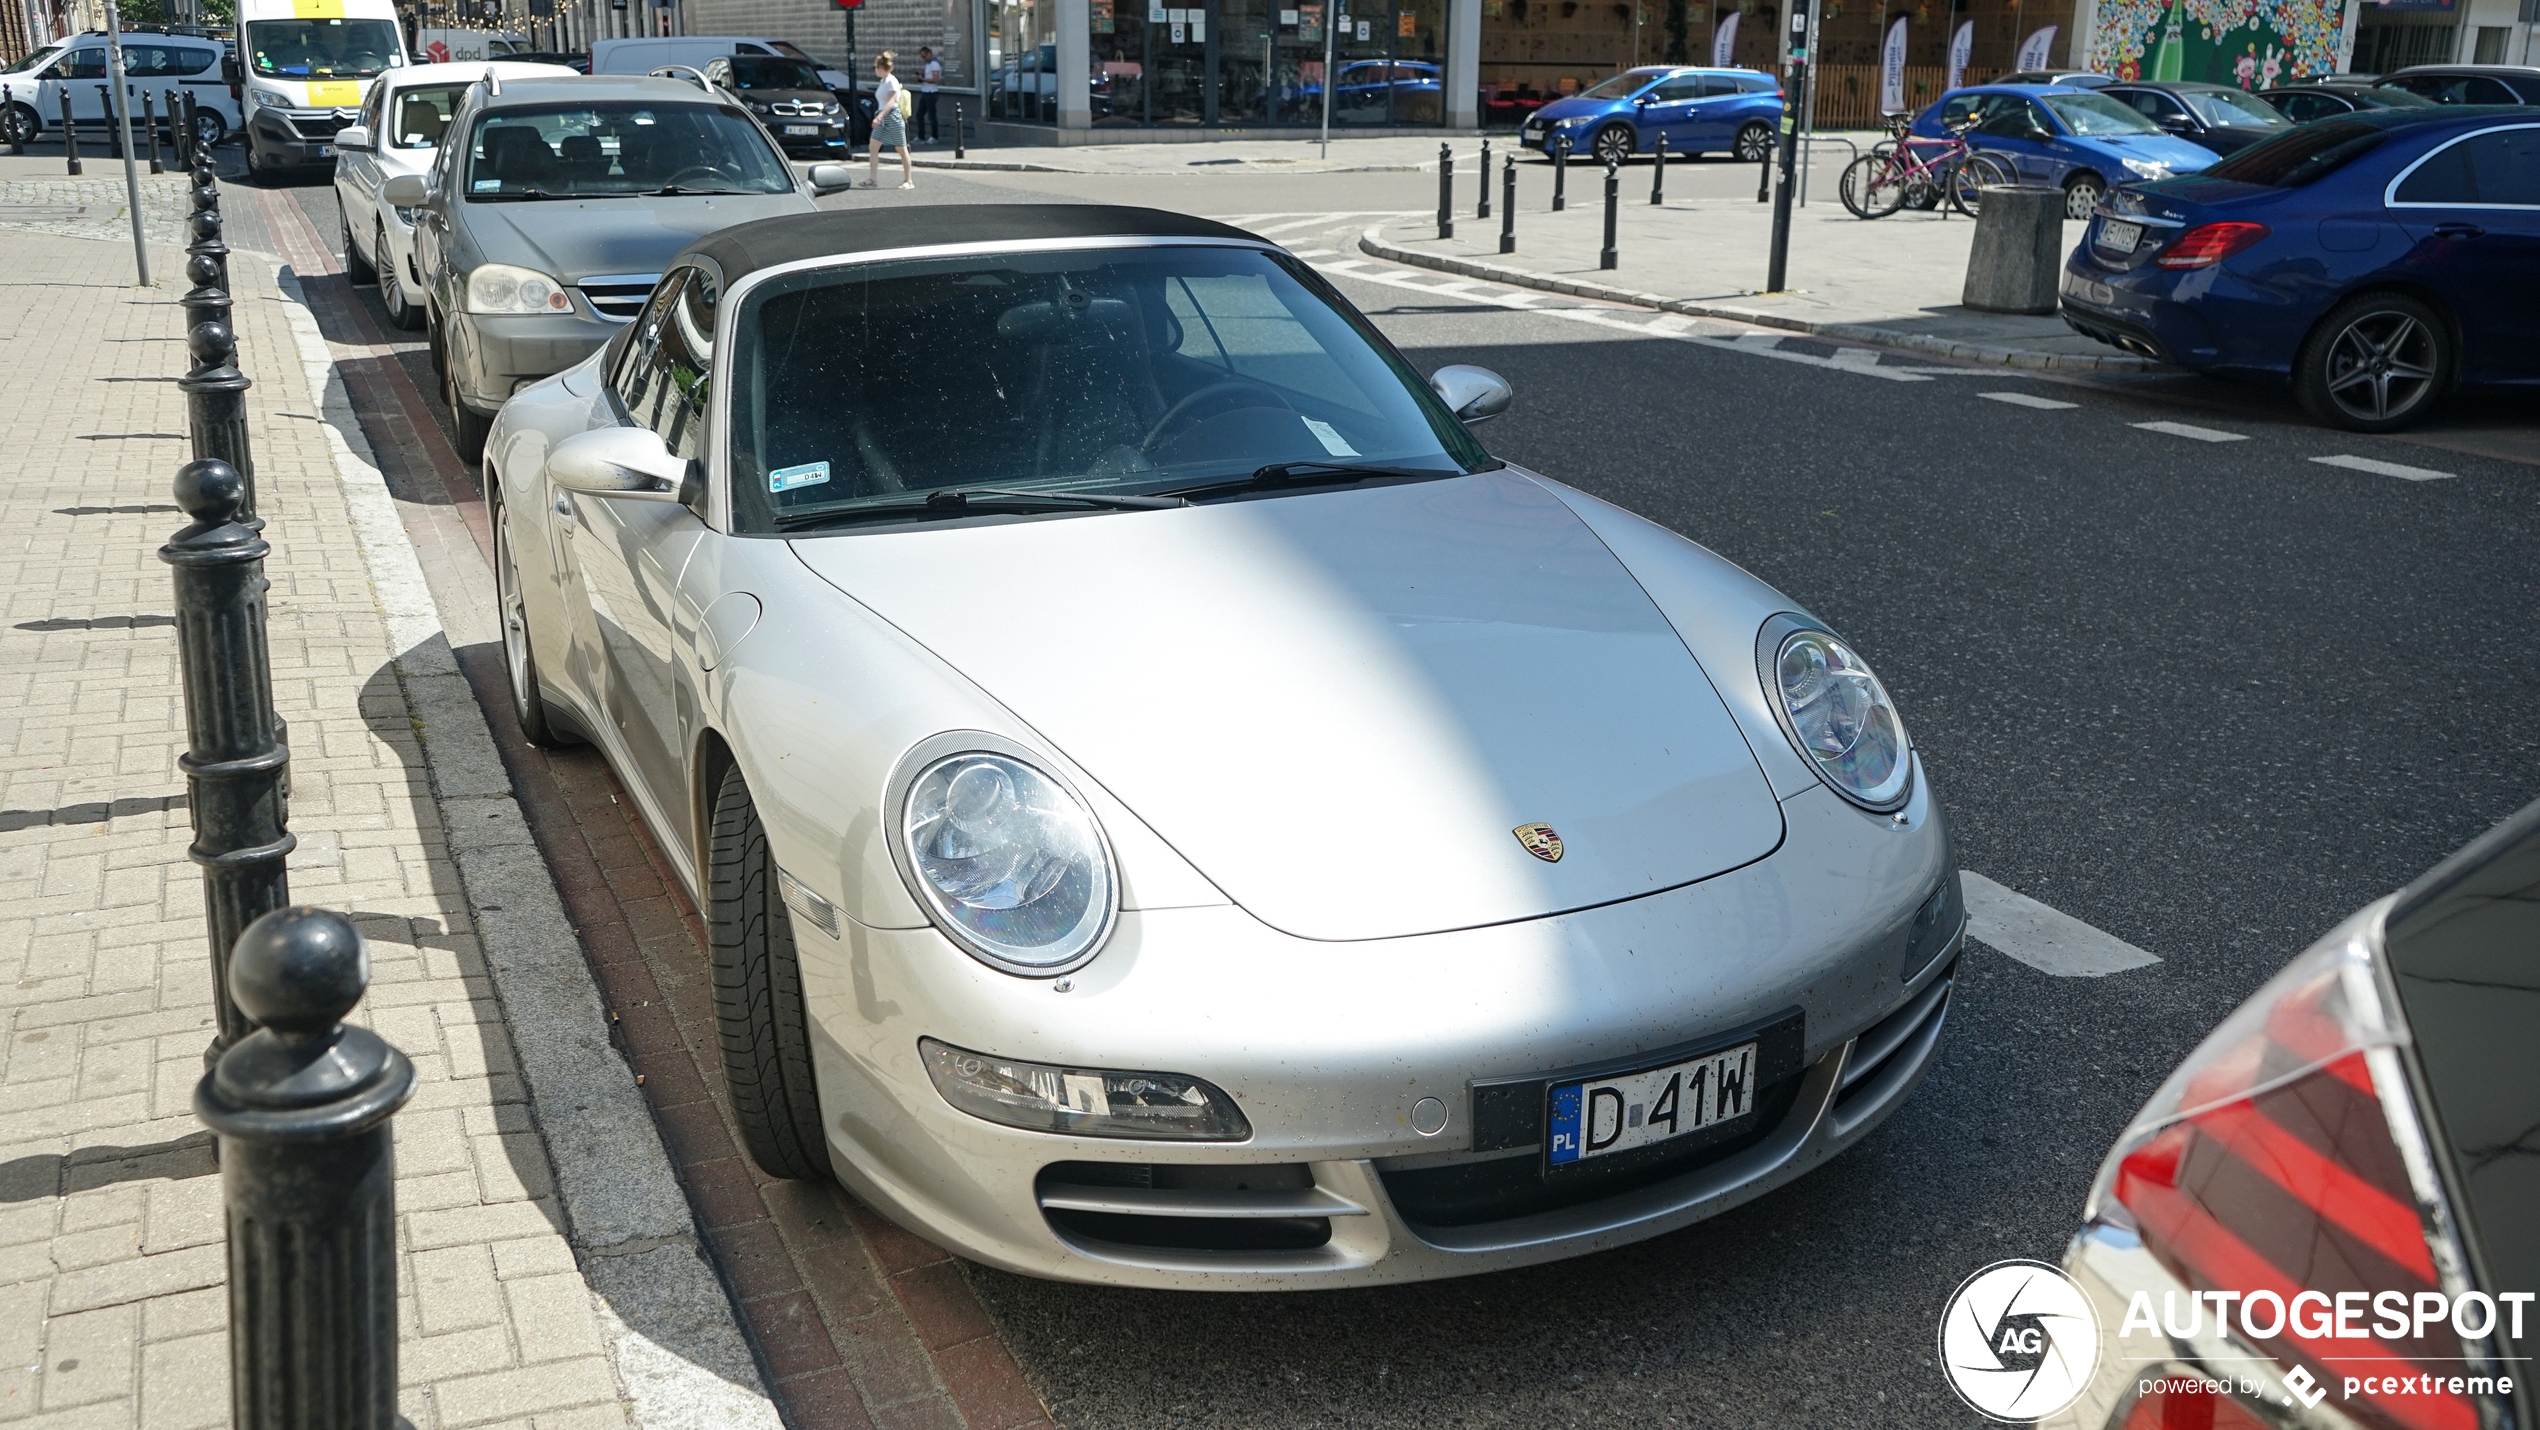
<point x="564" y="507"/>
<point x="2458" y="230"/>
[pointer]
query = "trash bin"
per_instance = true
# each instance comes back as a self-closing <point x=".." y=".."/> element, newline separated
<point x="2017" y="262"/>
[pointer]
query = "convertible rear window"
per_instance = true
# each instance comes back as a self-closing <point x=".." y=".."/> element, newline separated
<point x="1113" y="371"/>
<point x="2305" y="153"/>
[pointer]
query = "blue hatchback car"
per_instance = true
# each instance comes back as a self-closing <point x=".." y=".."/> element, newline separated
<point x="2377" y="259"/>
<point x="1701" y="111"/>
<point x="2071" y="138"/>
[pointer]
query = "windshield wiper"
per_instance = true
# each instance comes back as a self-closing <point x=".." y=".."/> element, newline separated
<point x="1301" y="474"/>
<point x="675" y="191"/>
<point x="968" y="501"/>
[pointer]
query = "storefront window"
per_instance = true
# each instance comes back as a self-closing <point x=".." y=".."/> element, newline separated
<point x="1232" y="63"/>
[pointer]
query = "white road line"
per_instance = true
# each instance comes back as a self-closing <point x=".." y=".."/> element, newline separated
<point x="2045" y="939"/>
<point x="1668" y="324"/>
<point x="1855" y="357"/>
<point x="2194" y="434"/>
<point x="2385" y="469"/>
<point x="2022" y="399"/>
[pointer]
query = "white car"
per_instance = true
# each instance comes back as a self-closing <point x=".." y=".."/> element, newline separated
<point x="399" y="132"/>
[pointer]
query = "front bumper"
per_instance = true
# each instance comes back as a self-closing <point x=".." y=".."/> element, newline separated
<point x="1543" y="140"/>
<point x="292" y="138"/>
<point x="493" y="355"/>
<point x="1328" y="1048"/>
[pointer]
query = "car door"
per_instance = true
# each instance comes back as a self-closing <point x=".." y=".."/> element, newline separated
<point x="626" y="556"/>
<point x="1667" y="107"/>
<point x="80" y="74"/>
<point x="2020" y="132"/>
<point x="1715" y="115"/>
<point x="2473" y="208"/>
<point x="357" y="175"/>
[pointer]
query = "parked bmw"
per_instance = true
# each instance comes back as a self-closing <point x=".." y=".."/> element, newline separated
<point x="2328" y="1216"/>
<point x="1172" y="809"/>
<point x="544" y="227"/>
<point x="2077" y="140"/>
<point x="2324" y="99"/>
<point x="2378" y="260"/>
<point x="399" y="132"/>
<point x="1701" y="111"/>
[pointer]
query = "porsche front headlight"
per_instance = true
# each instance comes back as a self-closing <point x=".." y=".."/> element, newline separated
<point x="502" y="288"/>
<point x="1841" y="718"/>
<point x="1009" y="862"/>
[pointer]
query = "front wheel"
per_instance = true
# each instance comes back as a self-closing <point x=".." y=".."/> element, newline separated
<point x="1872" y="186"/>
<point x="403" y="312"/>
<point x="1969" y="180"/>
<point x="520" y="660"/>
<point x="758" y="995"/>
<point x="1613" y="144"/>
<point x="2081" y="195"/>
<point x="468" y="430"/>
<point x="209" y="129"/>
<point x="1754" y="142"/>
<point x="2376" y="363"/>
<point x="359" y="271"/>
<point x="19" y="126"/>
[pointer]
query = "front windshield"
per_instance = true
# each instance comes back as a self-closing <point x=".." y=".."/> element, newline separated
<point x="622" y="147"/>
<point x="1114" y="371"/>
<point x="423" y="115"/>
<point x="321" y="49"/>
<point x="1619" y="86"/>
<point x="31" y="61"/>
<point x="772" y="72"/>
<point x="2230" y="109"/>
<point x="2096" y="114"/>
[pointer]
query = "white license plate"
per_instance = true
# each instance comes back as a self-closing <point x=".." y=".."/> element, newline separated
<point x="326" y="151"/>
<point x="812" y="129"/>
<point x="1616" y="1114"/>
<point x="2120" y="237"/>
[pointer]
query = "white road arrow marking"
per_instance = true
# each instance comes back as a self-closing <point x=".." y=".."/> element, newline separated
<point x="2048" y="940"/>
<point x="2385" y="469"/>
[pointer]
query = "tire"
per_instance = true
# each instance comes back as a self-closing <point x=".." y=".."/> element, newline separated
<point x="2082" y="193"/>
<point x="432" y="345"/>
<point x="19" y="125"/>
<point x="257" y="174"/>
<point x="1613" y="144"/>
<point x="520" y="658"/>
<point x="402" y="314"/>
<point x="758" y="996"/>
<point x="1871" y="187"/>
<point x="359" y="271"/>
<point x="468" y="430"/>
<point x="2376" y="363"/>
<point x="1969" y="180"/>
<point x="209" y="128"/>
<point x="1754" y="142"/>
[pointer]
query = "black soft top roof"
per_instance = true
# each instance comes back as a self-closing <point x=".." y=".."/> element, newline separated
<point x="764" y="243"/>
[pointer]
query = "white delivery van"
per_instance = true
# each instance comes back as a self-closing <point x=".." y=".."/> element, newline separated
<point x="457" y="47"/>
<point x="643" y="56"/>
<point x="159" y="65"/>
<point x="303" y="69"/>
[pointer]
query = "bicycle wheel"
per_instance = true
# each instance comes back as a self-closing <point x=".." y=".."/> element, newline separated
<point x="1873" y="186"/>
<point x="1972" y="176"/>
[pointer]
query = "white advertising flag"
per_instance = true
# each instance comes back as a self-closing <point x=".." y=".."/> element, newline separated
<point x="1724" y="42"/>
<point x="2034" y="50"/>
<point x="1892" y="70"/>
<point x="1960" y="45"/>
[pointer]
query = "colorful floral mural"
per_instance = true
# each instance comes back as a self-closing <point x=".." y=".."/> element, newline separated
<point x="2250" y="43"/>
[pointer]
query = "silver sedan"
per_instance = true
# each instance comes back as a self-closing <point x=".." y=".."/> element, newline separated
<point x="1171" y="808"/>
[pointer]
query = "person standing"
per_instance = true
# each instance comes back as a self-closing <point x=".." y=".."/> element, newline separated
<point x="890" y="124"/>
<point x="930" y="83"/>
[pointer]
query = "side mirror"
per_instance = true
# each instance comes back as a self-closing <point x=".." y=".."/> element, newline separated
<point x="2174" y="123"/>
<point x="406" y="191"/>
<point x="229" y="70"/>
<point x="1473" y="394"/>
<point x="827" y="179"/>
<point x="629" y="463"/>
<point x="354" y="139"/>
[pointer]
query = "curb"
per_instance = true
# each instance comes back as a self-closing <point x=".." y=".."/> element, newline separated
<point x="1372" y="243"/>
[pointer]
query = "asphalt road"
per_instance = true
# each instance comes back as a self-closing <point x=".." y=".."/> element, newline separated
<point x="2209" y="696"/>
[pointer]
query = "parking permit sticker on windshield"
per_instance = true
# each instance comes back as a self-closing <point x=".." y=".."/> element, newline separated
<point x="1333" y="442"/>
<point x="809" y="474"/>
<point x="487" y="186"/>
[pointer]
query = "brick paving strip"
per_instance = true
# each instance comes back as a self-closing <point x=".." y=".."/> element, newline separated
<point x="853" y="1320"/>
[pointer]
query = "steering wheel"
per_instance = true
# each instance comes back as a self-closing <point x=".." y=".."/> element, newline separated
<point x="1235" y="386"/>
<point x="711" y="171"/>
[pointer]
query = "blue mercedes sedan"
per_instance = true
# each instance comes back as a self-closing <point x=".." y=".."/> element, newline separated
<point x="2377" y="259"/>
<point x="1701" y="111"/>
<point x="2073" y="139"/>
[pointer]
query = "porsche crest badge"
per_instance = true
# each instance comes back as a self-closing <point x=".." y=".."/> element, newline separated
<point x="1540" y="841"/>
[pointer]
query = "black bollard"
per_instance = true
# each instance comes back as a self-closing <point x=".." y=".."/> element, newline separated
<point x="1658" y="173"/>
<point x="1508" y="206"/>
<point x="17" y="134"/>
<point x="215" y="390"/>
<point x="1613" y="205"/>
<point x="1482" y="210"/>
<point x="1446" y="192"/>
<point x="308" y="1178"/>
<point x="1560" y="172"/>
<point x="150" y="126"/>
<point x="957" y="129"/>
<point x="1764" y="179"/>
<point x="235" y="760"/>
<point x="70" y="134"/>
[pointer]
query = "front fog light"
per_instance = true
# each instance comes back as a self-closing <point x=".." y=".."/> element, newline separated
<point x="1158" y="1107"/>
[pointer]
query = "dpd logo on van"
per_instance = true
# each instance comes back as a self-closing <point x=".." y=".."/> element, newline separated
<point x="2019" y="1340"/>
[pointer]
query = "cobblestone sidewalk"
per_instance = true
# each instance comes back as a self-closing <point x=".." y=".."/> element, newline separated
<point x="531" y="1298"/>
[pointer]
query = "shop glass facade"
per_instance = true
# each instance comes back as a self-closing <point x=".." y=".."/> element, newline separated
<point x="1229" y="63"/>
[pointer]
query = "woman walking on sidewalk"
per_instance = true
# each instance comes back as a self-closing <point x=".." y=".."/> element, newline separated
<point x="890" y="125"/>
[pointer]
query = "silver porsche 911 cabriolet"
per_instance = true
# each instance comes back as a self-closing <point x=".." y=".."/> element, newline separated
<point x="1171" y="808"/>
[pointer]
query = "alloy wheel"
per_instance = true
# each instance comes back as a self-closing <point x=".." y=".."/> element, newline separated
<point x="515" y="615"/>
<point x="2380" y="366"/>
<point x="1754" y="144"/>
<point x="2081" y="196"/>
<point x="1613" y="144"/>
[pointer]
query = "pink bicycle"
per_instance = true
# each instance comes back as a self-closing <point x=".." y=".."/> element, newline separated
<point x="1910" y="169"/>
